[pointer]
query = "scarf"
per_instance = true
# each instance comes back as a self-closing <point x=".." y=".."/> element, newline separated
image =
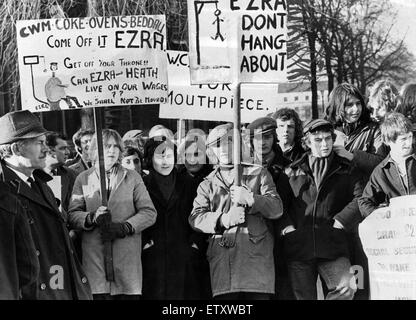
<point x="166" y="184"/>
<point x="349" y="128"/>
<point x="319" y="167"/>
<point x="111" y="178"/>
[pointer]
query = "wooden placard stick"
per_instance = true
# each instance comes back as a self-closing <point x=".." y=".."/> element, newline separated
<point x="108" y="247"/>
<point x="237" y="137"/>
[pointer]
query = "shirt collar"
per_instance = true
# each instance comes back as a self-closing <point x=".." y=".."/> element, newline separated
<point x="389" y="159"/>
<point x="21" y="175"/>
<point x="288" y="149"/>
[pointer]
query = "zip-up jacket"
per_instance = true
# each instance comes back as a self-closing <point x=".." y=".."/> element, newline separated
<point x="385" y="183"/>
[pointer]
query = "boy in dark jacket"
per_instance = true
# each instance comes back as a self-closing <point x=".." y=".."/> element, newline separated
<point x="289" y="133"/>
<point x="395" y="176"/>
<point x="323" y="210"/>
<point x="262" y="139"/>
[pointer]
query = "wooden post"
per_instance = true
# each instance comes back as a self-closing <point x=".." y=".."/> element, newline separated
<point x="237" y="137"/>
<point x="64" y="123"/>
<point x="131" y="118"/>
<point x="108" y="248"/>
<point x="236" y="160"/>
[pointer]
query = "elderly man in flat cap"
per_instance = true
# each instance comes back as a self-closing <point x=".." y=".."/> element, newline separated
<point x="324" y="210"/>
<point x="23" y="153"/>
<point x="240" y="249"/>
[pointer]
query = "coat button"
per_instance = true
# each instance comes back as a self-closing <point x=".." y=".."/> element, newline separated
<point x="31" y="221"/>
<point x="43" y="286"/>
<point x="84" y="280"/>
<point x="38" y="253"/>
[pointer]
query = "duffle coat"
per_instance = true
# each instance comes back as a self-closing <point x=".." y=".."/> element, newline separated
<point x="129" y="201"/>
<point x="248" y="266"/>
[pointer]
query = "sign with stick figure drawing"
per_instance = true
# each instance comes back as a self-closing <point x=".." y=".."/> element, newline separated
<point x="73" y="63"/>
<point x="210" y="42"/>
<point x="237" y="41"/>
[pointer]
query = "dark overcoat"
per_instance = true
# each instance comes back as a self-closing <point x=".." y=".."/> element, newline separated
<point x="168" y="268"/>
<point x="277" y="169"/>
<point x="19" y="266"/>
<point x="68" y="177"/>
<point x="61" y="276"/>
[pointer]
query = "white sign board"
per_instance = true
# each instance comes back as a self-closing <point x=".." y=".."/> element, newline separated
<point x="213" y="102"/>
<point x="237" y="41"/>
<point x="56" y="186"/>
<point x="92" y="62"/>
<point x="388" y="236"/>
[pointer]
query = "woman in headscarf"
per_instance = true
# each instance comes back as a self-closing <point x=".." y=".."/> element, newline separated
<point x="170" y="244"/>
<point x="131" y="211"/>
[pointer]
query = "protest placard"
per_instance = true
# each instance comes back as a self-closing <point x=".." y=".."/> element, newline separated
<point x="213" y="102"/>
<point x="388" y="236"/>
<point x="237" y="41"/>
<point x="92" y="62"/>
<point x="262" y="40"/>
<point x="56" y="187"/>
<point x="210" y="42"/>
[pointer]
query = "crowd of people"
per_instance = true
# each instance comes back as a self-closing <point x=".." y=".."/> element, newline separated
<point x="176" y="225"/>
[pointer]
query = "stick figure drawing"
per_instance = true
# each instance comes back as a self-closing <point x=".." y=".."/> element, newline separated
<point x="218" y="21"/>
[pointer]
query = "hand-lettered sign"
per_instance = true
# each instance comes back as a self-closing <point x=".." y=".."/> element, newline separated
<point x="388" y="236"/>
<point x="213" y="102"/>
<point x="237" y="41"/>
<point x="92" y="62"/>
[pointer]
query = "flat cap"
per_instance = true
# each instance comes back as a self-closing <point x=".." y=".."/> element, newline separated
<point x="20" y="125"/>
<point x="262" y="125"/>
<point x="316" y="124"/>
<point x="218" y="133"/>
